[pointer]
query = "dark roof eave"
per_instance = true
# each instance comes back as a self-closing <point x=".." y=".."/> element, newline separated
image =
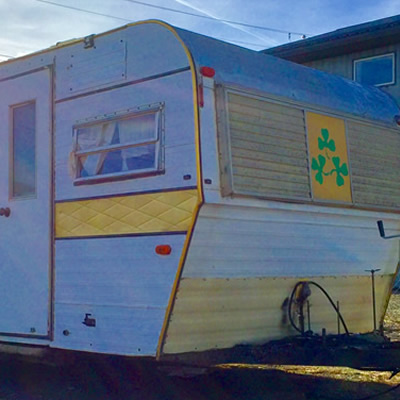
<point x="320" y="47"/>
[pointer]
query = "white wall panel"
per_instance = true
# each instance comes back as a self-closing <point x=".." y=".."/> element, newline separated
<point x="293" y="240"/>
<point x="118" y="330"/>
<point x="130" y="54"/>
<point x="123" y="283"/>
<point x="180" y="159"/>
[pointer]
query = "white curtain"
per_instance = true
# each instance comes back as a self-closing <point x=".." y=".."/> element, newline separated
<point x="135" y="130"/>
<point x="138" y="129"/>
<point x="107" y="132"/>
<point x="90" y="138"/>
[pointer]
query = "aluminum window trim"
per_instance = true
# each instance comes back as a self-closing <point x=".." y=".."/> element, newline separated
<point x="120" y="115"/>
<point x="117" y="176"/>
<point x="105" y="149"/>
<point x="157" y="110"/>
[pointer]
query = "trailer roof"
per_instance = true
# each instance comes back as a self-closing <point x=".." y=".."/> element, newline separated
<point x="264" y="73"/>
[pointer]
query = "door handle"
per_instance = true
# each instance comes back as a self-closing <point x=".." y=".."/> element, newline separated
<point x="5" y="212"/>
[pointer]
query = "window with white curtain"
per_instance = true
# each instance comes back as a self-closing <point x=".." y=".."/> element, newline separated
<point x="125" y="146"/>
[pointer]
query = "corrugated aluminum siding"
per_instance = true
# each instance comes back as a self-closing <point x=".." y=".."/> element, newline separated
<point x="268" y="148"/>
<point x="222" y="313"/>
<point x="269" y="157"/>
<point x="243" y="262"/>
<point x="375" y="165"/>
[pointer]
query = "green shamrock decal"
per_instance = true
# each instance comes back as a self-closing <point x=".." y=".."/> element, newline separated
<point x="319" y="167"/>
<point x="325" y="142"/>
<point x="341" y="170"/>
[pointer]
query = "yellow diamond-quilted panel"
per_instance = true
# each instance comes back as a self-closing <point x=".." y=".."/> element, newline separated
<point x="143" y="213"/>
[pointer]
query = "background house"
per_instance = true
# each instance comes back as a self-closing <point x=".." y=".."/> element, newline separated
<point x="367" y="53"/>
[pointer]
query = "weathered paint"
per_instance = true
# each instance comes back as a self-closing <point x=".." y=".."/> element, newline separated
<point x="246" y="256"/>
<point x="92" y="272"/>
<point x="25" y="254"/>
<point x="267" y="147"/>
<point x="215" y="313"/>
<point x="183" y="159"/>
<point x="280" y="150"/>
<point x="375" y="164"/>
<point x="241" y="239"/>
<point x="125" y="286"/>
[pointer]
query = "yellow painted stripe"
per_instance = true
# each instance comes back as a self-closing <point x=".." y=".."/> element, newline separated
<point x="143" y="213"/>
<point x="221" y="313"/>
<point x="200" y="198"/>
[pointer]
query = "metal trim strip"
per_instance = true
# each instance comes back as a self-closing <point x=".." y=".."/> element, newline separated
<point x="121" y="85"/>
<point x="174" y="291"/>
<point x="24" y="335"/>
<point x="127" y="194"/>
<point x="122" y="235"/>
<point x="32" y="71"/>
<point x="52" y="194"/>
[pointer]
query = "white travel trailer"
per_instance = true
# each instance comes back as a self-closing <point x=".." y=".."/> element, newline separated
<point x="163" y="192"/>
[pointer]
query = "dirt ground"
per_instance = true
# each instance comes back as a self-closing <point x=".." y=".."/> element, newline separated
<point x="109" y="379"/>
<point x="90" y="381"/>
<point x="345" y="383"/>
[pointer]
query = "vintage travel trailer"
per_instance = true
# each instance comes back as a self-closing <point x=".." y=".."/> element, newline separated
<point x="162" y="193"/>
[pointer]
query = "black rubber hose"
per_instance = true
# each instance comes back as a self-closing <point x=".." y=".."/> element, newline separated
<point x="326" y="295"/>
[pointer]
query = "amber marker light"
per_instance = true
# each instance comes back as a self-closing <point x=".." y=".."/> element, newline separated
<point x="207" y="72"/>
<point x="163" y="249"/>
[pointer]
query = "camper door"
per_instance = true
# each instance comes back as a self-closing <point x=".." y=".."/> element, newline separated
<point x="25" y="205"/>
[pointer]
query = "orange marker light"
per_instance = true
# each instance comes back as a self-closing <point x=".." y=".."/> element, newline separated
<point x="208" y="72"/>
<point x="163" y="249"/>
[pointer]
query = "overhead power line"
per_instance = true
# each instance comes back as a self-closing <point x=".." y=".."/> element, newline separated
<point x="126" y="20"/>
<point x="218" y="19"/>
<point x="241" y="42"/>
<point x="175" y="11"/>
<point x="83" y="10"/>
<point x="6" y="55"/>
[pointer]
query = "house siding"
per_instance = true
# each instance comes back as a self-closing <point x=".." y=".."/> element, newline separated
<point x="343" y="66"/>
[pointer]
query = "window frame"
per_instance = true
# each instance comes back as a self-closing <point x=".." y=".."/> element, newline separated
<point x="12" y="147"/>
<point x="158" y="140"/>
<point x="393" y="57"/>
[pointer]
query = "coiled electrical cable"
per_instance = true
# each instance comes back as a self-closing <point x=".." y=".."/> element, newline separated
<point x="326" y="295"/>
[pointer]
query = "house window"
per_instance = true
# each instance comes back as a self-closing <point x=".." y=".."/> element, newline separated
<point x="377" y="71"/>
<point x="120" y="147"/>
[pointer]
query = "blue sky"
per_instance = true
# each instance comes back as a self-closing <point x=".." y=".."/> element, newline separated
<point x="31" y="25"/>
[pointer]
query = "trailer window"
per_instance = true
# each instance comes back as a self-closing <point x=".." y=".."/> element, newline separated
<point x="23" y="151"/>
<point x="121" y="147"/>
